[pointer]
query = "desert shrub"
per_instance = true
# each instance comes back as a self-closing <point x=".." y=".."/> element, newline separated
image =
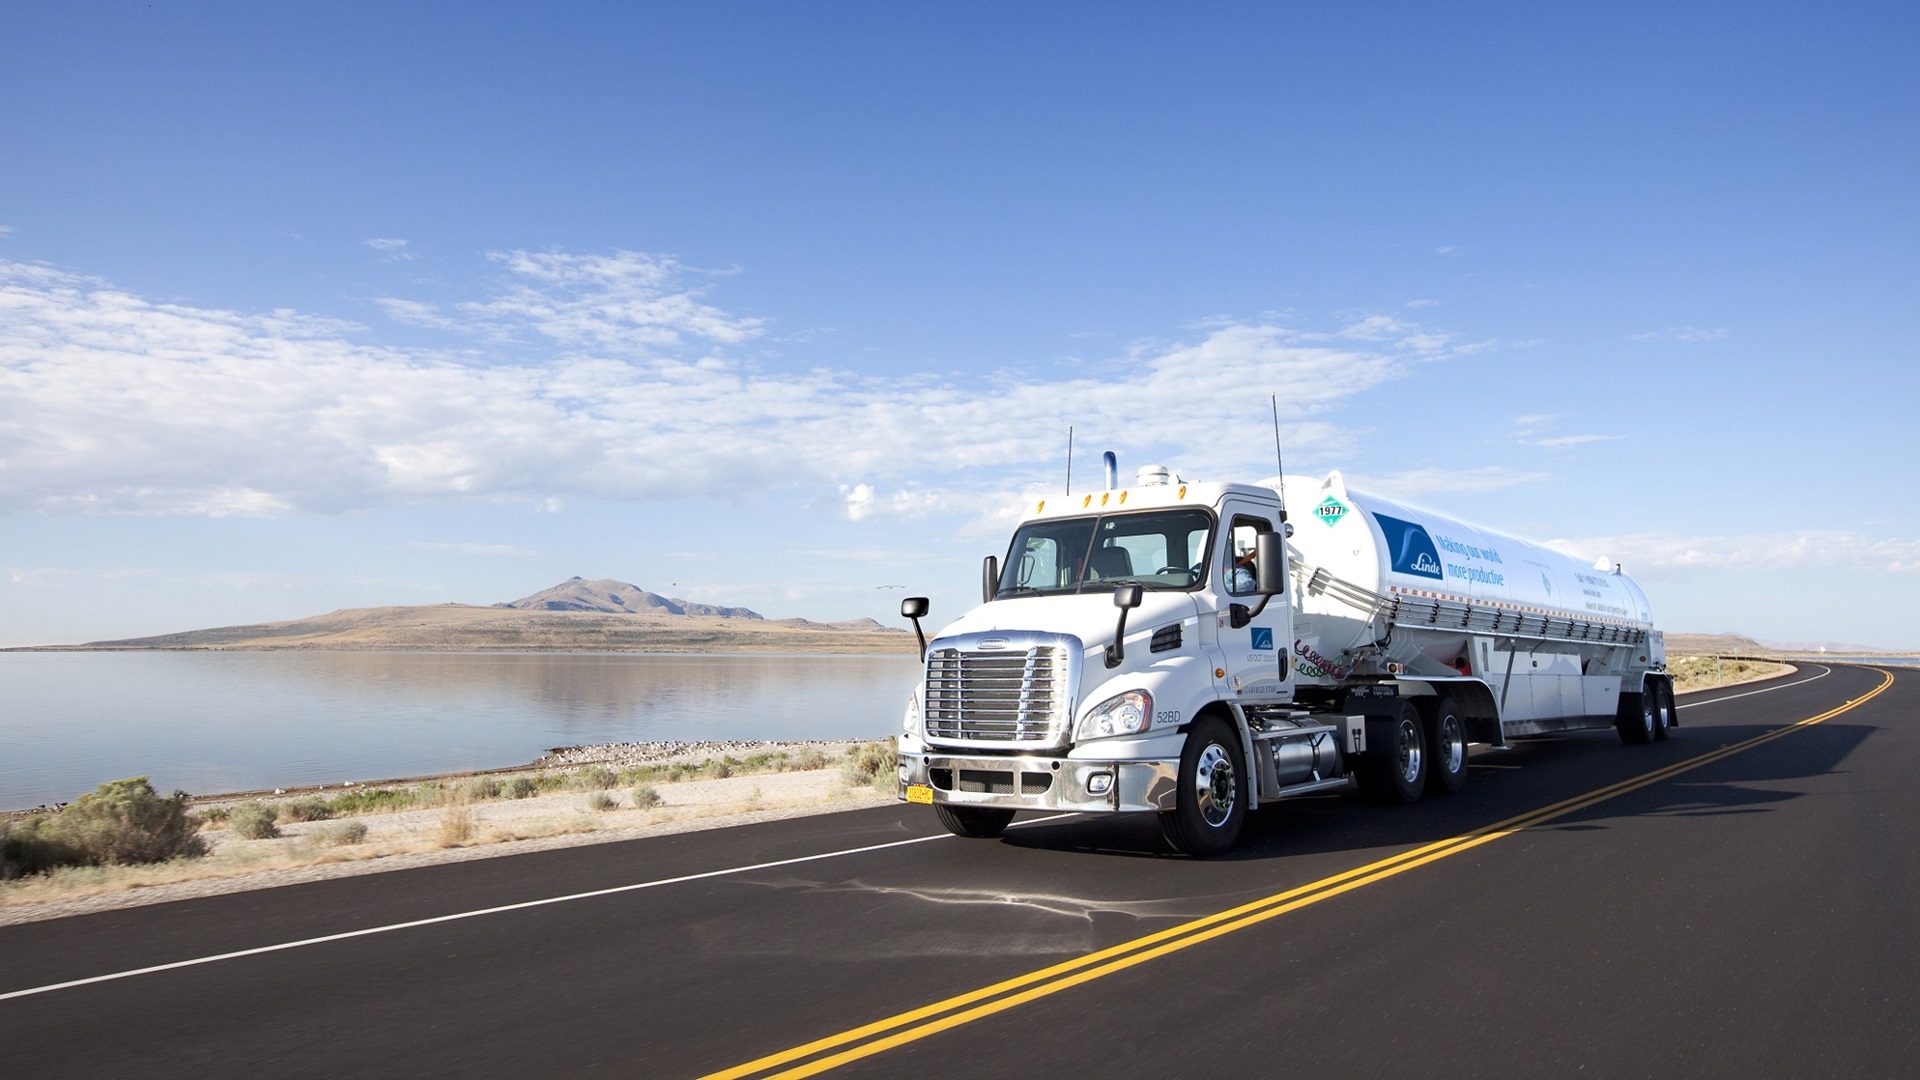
<point x="121" y="821"/>
<point x="212" y="815"/>
<point x="807" y="761"/>
<point x="597" y="778"/>
<point x="253" y="820"/>
<point x="312" y="808"/>
<point x="645" y="798"/>
<point x="870" y="765"/>
<point x="456" y="824"/>
<point x="339" y="833"/>
<point x="600" y="800"/>
<point x="483" y="788"/>
<point x="372" y="800"/>
<point x="717" y="770"/>
<point x="520" y="787"/>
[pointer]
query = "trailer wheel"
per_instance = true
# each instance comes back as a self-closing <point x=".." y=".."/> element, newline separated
<point x="1210" y="801"/>
<point x="1637" y="716"/>
<point x="1447" y="743"/>
<point x="1400" y="774"/>
<point x="974" y="822"/>
<point x="1662" y="709"/>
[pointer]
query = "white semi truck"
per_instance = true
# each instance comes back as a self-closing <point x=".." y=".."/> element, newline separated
<point x="1183" y="649"/>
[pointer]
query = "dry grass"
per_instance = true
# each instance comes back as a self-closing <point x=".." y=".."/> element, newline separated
<point x="1708" y="672"/>
<point x="456" y="822"/>
<point x="407" y="839"/>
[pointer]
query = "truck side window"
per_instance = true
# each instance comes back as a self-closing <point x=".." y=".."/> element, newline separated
<point x="1240" y="571"/>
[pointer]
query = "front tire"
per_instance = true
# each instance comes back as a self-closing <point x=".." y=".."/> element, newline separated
<point x="1210" y="803"/>
<point x="1400" y="775"/>
<point x="973" y="822"/>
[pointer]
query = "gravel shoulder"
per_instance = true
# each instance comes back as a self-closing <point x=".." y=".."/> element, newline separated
<point x="462" y="829"/>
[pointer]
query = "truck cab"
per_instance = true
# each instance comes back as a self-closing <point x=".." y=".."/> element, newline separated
<point x="1129" y="653"/>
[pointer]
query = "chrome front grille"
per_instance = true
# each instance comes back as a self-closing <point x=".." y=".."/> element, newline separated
<point x="1016" y="697"/>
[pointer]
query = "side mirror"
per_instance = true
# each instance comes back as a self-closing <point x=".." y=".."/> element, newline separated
<point x="989" y="579"/>
<point x="1270" y="563"/>
<point x="911" y="609"/>
<point x="1126" y="598"/>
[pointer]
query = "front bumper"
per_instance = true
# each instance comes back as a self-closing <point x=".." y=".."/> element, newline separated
<point x="1043" y="783"/>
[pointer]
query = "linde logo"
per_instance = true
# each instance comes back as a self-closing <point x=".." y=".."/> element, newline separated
<point x="1411" y="548"/>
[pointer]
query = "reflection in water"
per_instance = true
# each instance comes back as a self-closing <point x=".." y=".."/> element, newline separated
<point x="230" y="721"/>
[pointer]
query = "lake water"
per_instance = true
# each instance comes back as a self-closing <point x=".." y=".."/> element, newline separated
<point x="234" y="721"/>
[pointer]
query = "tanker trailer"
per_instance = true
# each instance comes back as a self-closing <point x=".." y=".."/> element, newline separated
<point x="1512" y="637"/>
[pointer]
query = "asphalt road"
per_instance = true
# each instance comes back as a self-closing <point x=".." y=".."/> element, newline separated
<point x="1738" y="900"/>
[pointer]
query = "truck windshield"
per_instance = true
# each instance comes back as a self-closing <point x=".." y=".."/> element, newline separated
<point x="1162" y="549"/>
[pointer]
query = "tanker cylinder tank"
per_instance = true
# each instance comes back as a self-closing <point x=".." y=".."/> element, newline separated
<point x="1390" y="590"/>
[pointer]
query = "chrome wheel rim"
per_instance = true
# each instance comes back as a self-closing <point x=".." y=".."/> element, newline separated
<point x="1411" y="751"/>
<point x="1453" y="743"/>
<point x="1646" y="713"/>
<point x="1214" y="790"/>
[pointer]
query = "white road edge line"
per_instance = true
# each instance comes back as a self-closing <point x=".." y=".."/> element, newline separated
<point x="1824" y="672"/>
<point x="456" y="916"/>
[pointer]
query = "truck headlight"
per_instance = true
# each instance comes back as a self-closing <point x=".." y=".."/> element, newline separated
<point x="1128" y="714"/>
<point x="911" y="721"/>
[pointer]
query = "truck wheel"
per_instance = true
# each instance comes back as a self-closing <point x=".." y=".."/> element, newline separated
<point x="1447" y="743"/>
<point x="1210" y="803"/>
<point x="1400" y="774"/>
<point x="1662" y="709"/>
<point x="1636" y="718"/>
<point x="974" y="822"/>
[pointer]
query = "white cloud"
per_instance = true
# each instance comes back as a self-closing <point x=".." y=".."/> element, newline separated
<point x="1687" y="334"/>
<point x="492" y="550"/>
<point x="1434" y="481"/>
<point x="113" y="403"/>
<point x="394" y="248"/>
<point x="1664" y="555"/>
<point x="1530" y="430"/>
<point x="6" y="231"/>
<point x="1561" y="442"/>
<point x="1423" y="303"/>
<point x="1449" y="250"/>
<point x="415" y="313"/>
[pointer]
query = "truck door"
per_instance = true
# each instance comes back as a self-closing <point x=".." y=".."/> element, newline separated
<point x="1254" y="654"/>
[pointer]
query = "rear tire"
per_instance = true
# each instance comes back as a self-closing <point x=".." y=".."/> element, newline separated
<point x="1637" y="716"/>
<point x="1662" y="709"/>
<point x="1400" y="775"/>
<point x="1210" y="800"/>
<point x="1447" y="746"/>
<point x="973" y="822"/>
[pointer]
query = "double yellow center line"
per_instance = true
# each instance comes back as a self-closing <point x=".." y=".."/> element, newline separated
<point x="906" y="1027"/>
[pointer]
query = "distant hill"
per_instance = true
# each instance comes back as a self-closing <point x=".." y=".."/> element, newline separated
<point x="619" y="598"/>
<point x="576" y="614"/>
<point x="1681" y="644"/>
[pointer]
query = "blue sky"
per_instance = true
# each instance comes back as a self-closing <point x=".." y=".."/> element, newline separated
<point x="339" y="305"/>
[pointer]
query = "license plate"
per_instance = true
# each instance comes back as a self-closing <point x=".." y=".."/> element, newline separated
<point x="920" y="793"/>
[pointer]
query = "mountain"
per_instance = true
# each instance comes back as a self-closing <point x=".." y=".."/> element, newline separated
<point x="597" y="615"/>
<point x="612" y="597"/>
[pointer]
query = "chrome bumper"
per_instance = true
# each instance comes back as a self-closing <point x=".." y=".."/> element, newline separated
<point x="1043" y="783"/>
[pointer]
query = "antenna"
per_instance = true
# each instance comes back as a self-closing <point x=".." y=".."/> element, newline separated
<point x="1277" y="458"/>
<point x="1069" y="459"/>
